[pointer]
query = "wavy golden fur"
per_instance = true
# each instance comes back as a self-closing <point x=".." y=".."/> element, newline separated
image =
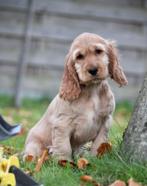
<point x="82" y="110"/>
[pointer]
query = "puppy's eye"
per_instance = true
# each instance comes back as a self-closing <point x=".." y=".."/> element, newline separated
<point x="98" y="51"/>
<point x="80" y="57"/>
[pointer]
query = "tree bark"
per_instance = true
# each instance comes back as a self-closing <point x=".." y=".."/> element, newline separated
<point x="135" y="136"/>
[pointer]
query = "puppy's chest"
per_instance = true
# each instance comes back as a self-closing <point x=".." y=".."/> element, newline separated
<point x="88" y="108"/>
<point x="88" y="121"/>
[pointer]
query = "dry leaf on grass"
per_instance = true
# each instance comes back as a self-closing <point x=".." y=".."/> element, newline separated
<point x="131" y="182"/>
<point x="86" y="178"/>
<point x="29" y="158"/>
<point x="118" y="183"/>
<point x="95" y="183"/>
<point x="82" y="163"/>
<point x="41" y="160"/>
<point x="104" y="148"/>
<point x="64" y="163"/>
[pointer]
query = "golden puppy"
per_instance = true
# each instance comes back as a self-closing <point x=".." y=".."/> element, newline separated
<point x="82" y="110"/>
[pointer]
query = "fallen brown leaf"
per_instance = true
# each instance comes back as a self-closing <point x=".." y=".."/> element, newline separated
<point x="41" y="160"/>
<point x="82" y="163"/>
<point x="131" y="182"/>
<point x="118" y="183"/>
<point x="103" y="148"/>
<point x="95" y="183"/>
<point x="86" y="178"/>
<point x="29" y="158"/>
<point x="64" y="163"/>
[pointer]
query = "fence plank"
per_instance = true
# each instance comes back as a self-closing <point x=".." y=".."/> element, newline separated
<point x="91" y="9"/>
<point x="133" y="41"/>
<point x="128" y="3"/>
<point x="14" y="22"/>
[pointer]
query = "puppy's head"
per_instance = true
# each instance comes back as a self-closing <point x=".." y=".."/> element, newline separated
<point x="91" y="59"/>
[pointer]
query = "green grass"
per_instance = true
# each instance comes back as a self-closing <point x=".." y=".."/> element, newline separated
<point x="105" y="170"/>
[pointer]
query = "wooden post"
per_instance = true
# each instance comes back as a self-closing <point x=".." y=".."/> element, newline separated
<point x="22" y="66"/>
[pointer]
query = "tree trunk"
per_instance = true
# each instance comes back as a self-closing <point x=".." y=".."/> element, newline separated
<point x="135" y="136"/>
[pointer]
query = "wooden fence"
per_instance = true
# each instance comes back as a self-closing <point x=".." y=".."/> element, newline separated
<point x="35" y="36"/>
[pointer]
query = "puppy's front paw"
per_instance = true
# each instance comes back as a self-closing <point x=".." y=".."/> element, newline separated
<point x="32" y="151"/>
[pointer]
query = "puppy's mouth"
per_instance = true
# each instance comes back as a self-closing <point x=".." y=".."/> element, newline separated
<point x="93" y="80"/>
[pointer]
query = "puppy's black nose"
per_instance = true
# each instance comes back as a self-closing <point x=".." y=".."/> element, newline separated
<point x="93" y="71"/>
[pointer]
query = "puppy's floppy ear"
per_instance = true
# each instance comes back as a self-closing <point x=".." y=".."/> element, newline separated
<point x="70" y="87"/>
<point x="115" y="70"/>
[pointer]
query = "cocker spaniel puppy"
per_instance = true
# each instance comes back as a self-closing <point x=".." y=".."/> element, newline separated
<point x="82" y="110"/>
